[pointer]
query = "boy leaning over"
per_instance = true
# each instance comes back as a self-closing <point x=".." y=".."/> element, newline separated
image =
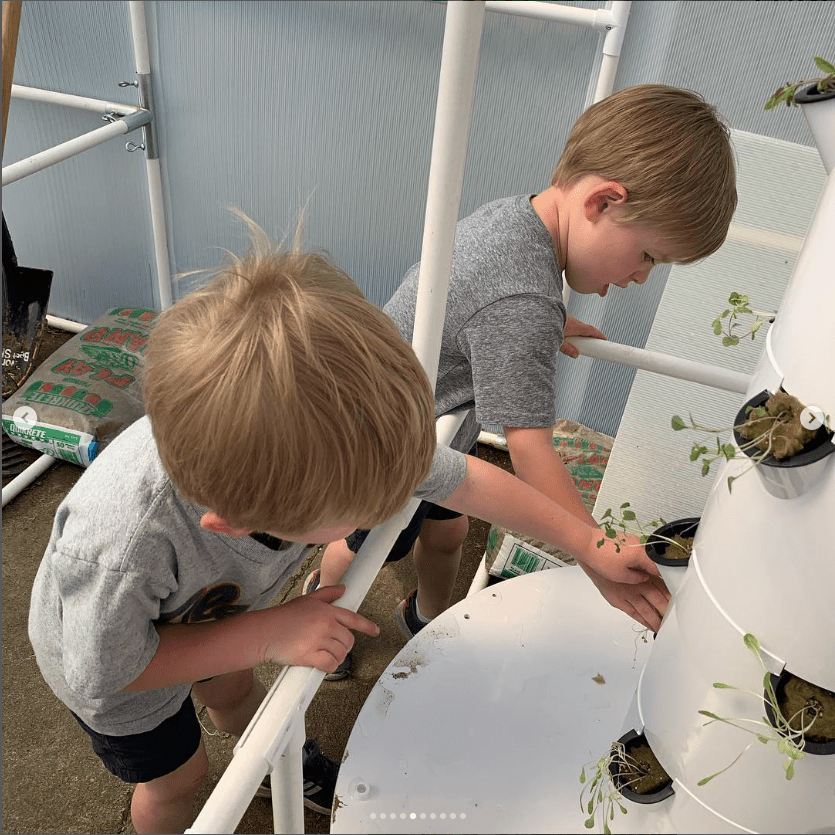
<point x="165" y="555"/>
<point x="646" y="176"/>
<point x="277" y="401"/>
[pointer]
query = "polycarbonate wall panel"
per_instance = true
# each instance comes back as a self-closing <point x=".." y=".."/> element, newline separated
<point x="270" y="106"/>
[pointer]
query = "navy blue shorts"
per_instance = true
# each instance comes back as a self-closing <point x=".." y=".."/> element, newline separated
<point x="139" y="758"/>
<point x="409" y="534"/>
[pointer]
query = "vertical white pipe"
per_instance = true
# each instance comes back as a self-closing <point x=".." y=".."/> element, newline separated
<point x="162" y="258"/>
<point x="139" y="34"/>
<point x="612" y="44"/>
<point x="456" y="93"/>
<point x="287" y="783"/>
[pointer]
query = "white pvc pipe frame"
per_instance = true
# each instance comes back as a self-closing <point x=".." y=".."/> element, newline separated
<point x="277" y="729"/>
<point x="128" y="118"/>
<point x="280" y="718"/>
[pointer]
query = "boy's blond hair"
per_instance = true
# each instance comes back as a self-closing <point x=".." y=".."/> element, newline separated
<point x="671" y="152"/>
<point x="283" y="400"/>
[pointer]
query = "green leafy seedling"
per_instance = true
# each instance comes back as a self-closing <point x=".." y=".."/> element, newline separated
<point x="789" y="739"/>
<point x="786" y="94"/>
<point x="729" y="321"/>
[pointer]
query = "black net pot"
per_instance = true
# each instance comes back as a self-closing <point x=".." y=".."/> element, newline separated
<point x="821" y="746"/>
<point x="630" y="740"/>
<point x="786" y="478"/>
<point x="656" y="547"/>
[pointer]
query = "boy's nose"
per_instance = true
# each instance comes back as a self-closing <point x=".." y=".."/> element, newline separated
<point x="640" y="276"/>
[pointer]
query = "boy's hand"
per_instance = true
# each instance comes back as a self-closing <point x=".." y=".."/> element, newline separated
<point x="644" y="602"/>
<point x="574" y="327"/>
<point x="622" y="559"/>
<point x="310" y="632"/>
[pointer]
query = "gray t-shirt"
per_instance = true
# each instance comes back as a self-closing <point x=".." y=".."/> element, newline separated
<point x="504" y="320"/>
<point x="126" y="552"/>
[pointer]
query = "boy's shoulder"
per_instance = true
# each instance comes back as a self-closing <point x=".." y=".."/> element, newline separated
<point x="125" y="489"/>
<point x="506" y="222"/>
<point x="517" y="205"/>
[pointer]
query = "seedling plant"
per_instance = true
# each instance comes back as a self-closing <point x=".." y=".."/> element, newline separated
<point x="789" y="735"/>
<point x="787" y="93"/>
<point x="599" y="795"/>
<point x="774" y="428"/>
<point x="626" y="521"/>
<point x="730" y="330"/>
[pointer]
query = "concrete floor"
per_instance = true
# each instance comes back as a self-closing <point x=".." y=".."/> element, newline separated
<point x="52" y="781"/>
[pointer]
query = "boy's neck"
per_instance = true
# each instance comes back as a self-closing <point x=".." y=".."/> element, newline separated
<point x="546" y="205"/>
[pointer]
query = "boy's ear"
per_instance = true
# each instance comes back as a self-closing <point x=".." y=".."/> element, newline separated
<point x="211" y="521"/>
<point x="602" y="197"/>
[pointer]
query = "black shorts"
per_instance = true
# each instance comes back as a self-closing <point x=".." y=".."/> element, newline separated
<point x="139" y="758"/>
<point x="409" y="534"/>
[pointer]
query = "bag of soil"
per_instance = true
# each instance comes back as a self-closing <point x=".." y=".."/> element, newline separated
<point x="85" y="393"/>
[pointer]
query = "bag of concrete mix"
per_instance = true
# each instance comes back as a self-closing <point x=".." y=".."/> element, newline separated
<point x="85" y="393"/>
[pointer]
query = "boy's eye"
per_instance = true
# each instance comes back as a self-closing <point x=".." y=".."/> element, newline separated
<point x="648" y="257"/>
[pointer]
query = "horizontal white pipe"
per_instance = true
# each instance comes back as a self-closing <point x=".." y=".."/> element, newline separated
<point x="272" y="727"/>
<point x="669" y="366"/>
<point x="18" y="170"/>
<point x="20" y="483"/>
<point x="65" y="324"/>
<point x="593" y="18"/>
<point x="765" y="238"/>
<point x="68" y="100"/>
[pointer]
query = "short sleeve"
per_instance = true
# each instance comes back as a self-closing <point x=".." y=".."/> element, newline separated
<point x="447" y="472"/>
<point x="512" y="346"/>
<point x="108" y="625"/>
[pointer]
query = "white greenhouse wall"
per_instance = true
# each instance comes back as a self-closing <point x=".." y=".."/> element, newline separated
<point x="267" y="106"/>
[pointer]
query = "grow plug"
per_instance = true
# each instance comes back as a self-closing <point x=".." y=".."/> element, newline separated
<point x="739" y="306"/>
<point x="600" y="795"/>
<point x="627" y="522"/>
<point x="825" y="83"/>
<point x="790" y="741"/>
<point x="728" y="451"/>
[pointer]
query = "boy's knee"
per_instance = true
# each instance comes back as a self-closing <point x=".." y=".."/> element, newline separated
<point x="444" y="534"/>
<point x="180" y="784"/>
<point x="225" y="692"/>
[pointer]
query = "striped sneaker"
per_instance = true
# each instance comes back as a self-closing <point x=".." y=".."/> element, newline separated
<point x="406" y="615"/>
<point x="319" y="779"/>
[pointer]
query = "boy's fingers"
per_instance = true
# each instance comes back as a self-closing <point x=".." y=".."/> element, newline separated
<point x="355" y="621"/>
<point x="349" y="619"/>
<point x="329" y="593"/>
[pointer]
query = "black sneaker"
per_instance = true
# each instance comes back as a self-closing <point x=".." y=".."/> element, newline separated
<point x="319" y="779"/>
<point x="310" y="584"/>
<point x="407" y="617"/>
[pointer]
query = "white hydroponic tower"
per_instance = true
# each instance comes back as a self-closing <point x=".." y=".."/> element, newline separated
<point x="763" y="563"/>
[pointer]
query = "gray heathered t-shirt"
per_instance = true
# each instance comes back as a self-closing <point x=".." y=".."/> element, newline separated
<point x="504" y="320"/>
<point x="126" y="552"/>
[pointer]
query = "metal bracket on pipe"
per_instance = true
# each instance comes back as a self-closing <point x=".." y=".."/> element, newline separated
<point x="146" y="101"/>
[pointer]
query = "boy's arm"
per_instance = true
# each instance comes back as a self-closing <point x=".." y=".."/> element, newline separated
<point x="537" y="463"/>
<point x="306" y="631"/>
<point x="628" y="580"/>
